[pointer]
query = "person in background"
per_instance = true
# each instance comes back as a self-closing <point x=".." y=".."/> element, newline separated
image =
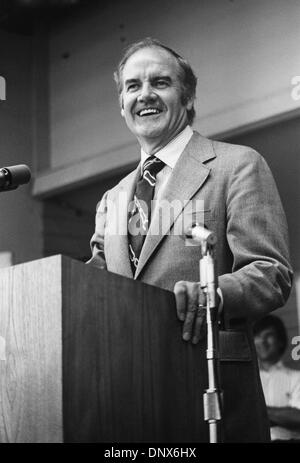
<point x="281" y="385"/>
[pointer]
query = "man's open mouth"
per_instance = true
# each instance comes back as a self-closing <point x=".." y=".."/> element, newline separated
<point x="148" y="112"/>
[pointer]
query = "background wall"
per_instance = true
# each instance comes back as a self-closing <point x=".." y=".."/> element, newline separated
<point x="244" y="54"/>
<point x="20" y="213"/>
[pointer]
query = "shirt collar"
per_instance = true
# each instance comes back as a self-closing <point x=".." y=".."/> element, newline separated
<point x="170" y="153"/>
<point x="277" y="366"/>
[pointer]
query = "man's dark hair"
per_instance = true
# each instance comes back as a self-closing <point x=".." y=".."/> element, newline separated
<point x="188" y="78"/>
<point x="270" y="321"/>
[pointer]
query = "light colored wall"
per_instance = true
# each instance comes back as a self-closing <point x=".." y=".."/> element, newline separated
<point x="244" y="53"/>
<point x="20" y="214"/>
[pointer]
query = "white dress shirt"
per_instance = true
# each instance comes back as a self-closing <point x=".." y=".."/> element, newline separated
<point x="281" y="386"/>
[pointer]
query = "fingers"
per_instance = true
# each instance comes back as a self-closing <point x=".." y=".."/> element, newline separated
<point x="180" y="296"/>
<point x="188" y="295"/>
<point x="200" y="321"/>
<point x="199" y="325"/>
<point x="191" y="312"/>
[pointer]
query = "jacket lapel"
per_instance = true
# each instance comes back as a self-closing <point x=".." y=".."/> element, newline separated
<point x="186" y="179"/>
<point x="116" y="237"/>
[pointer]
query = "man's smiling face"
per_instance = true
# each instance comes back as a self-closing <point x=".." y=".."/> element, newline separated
<point x="152" y="102"/>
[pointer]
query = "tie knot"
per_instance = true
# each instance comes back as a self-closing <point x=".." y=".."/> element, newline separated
<point x="153" y="165"/>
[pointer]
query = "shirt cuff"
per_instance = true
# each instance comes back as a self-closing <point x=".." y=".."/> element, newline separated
<point x="220" y="308"/>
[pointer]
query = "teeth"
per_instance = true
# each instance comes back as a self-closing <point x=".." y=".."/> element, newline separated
<point x="143" y="112"/>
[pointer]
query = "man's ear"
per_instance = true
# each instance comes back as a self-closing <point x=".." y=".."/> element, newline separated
<point x="122" y="106"/>
<point x="190" y="103"/>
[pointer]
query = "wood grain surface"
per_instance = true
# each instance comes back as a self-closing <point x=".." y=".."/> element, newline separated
<point x="31" y="346"/>
<point x="133" y="377"/>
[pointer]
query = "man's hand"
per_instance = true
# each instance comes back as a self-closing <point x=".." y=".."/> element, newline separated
<point x="191" y="309"/>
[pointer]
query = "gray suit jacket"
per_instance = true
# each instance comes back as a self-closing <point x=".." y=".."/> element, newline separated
<point x="230" y="190"/>
<point x="238" y="200"/>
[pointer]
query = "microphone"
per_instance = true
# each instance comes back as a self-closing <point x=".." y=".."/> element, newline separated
<point x="13" y="176"/>
<point x="199" y="234"/>
<point x="207" y="239"/>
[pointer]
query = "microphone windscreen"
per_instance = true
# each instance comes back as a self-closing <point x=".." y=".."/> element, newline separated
<point x="19" y="174"/>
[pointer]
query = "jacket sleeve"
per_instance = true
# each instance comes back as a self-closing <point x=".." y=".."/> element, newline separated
<point x="97" y="240"/>
<point x="257" y="235"/>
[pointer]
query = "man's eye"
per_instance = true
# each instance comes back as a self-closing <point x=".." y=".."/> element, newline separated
<point x="132" y="87"/>
<point x="161" y="83"/>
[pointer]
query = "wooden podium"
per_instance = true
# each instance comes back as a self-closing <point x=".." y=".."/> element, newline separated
<point x="90" y="356"/>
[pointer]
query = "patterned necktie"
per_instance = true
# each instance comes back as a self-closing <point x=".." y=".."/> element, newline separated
<point x="140" y="215"/>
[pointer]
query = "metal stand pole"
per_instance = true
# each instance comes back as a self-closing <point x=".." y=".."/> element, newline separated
<point x="212" y="398"/>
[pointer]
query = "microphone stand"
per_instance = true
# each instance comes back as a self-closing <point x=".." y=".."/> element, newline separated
<point x="212" y="398"/>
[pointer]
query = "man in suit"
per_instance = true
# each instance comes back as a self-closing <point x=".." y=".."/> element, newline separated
<point x="228" y="189"/>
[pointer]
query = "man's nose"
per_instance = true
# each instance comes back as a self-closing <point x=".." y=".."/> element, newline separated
<point x="146" y="93"/>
